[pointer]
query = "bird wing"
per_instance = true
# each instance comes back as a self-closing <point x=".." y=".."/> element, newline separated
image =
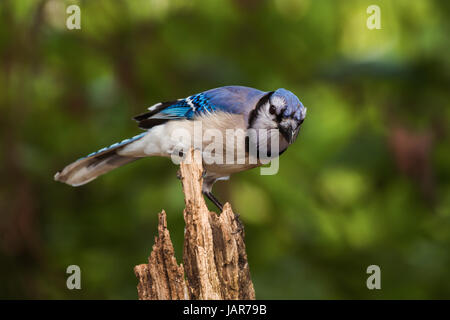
<point x="231" y="99"/>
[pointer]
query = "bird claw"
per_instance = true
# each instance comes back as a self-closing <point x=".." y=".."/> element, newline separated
<point x="179" y="176"/>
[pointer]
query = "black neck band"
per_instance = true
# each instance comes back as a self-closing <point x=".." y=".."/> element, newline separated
<point x="254" y="112"/>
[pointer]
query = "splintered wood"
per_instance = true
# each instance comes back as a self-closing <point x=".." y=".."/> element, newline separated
<point x="215" y="261"/>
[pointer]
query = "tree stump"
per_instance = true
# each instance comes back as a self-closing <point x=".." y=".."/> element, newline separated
<point x="215" y="261"/>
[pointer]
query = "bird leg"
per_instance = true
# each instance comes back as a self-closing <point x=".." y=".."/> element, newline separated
<point x="213" y="200"/>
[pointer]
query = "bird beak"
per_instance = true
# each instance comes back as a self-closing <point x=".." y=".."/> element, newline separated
<point x="288" y="132"/>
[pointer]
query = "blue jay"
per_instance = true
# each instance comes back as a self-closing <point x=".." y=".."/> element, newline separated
<point x="220" y="109"/>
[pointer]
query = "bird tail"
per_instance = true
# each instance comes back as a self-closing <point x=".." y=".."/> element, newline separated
<point x="88" y="168"/>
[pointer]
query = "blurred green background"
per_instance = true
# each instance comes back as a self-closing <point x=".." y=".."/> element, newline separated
<point x="367" y="182"/>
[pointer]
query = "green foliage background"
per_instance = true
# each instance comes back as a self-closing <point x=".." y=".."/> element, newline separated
<point x="367" y="182"/>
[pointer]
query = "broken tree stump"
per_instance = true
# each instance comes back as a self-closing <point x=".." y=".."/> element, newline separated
<point x="214" y="257"/>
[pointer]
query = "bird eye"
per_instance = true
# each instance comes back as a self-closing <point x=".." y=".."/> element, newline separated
<point x="272" y="109"/>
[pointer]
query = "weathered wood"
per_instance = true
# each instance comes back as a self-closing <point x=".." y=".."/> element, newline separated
<point x="162" y="278"/>
<point x="215" y="261"/>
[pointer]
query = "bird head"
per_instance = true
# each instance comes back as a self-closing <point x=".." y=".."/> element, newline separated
<point x="282" y="110"/>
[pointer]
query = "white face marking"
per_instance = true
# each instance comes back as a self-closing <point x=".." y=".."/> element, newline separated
<point x="291" y="122"/>
<point x="264" y="119"/>
<point x="278" y="101"/>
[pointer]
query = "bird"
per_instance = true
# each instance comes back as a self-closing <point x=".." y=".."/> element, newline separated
<point x="279" y="114"/>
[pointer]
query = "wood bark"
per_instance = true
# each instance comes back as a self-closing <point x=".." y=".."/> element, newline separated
<point x="214" y="256"/>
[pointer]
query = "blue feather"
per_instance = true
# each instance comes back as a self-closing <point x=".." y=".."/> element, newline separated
<point x="115" y="145"/>
<point x="190" y="107"/>
<point x="231" y="99"/>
